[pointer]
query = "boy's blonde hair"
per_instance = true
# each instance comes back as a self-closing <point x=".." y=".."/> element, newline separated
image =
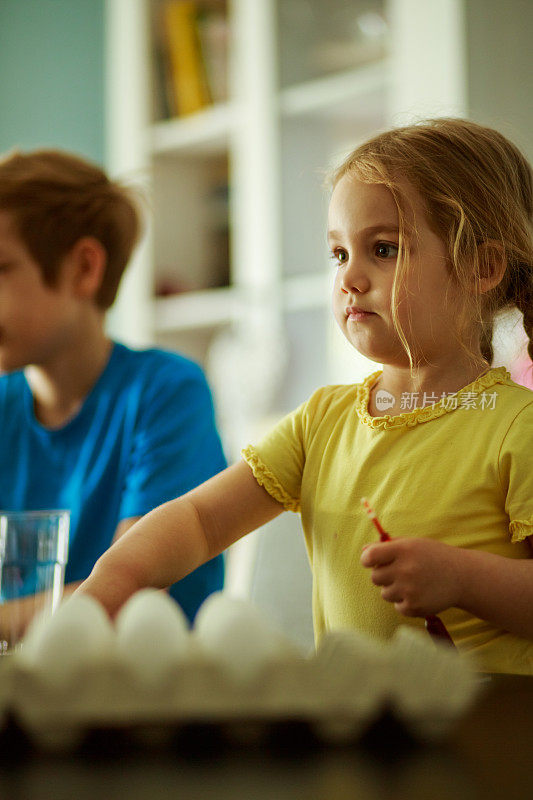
<point x="56" y="198"/>
<point x="476" y="187"/>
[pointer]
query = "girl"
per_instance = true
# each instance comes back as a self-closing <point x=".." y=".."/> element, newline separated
<point x="430" y="234"/>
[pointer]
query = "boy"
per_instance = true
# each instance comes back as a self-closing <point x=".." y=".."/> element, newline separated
<point x="88" y="424"/>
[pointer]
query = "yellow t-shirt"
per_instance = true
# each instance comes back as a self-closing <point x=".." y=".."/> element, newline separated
<point x="459" y="471"/>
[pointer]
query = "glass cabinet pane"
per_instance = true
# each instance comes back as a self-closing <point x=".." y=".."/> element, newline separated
<point x="317" y="38"/>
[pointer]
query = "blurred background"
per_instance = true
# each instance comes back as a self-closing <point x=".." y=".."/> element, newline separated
<point x="228" y="115"/>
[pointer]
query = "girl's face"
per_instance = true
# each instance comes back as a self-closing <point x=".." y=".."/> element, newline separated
<point x="363" y="237"/>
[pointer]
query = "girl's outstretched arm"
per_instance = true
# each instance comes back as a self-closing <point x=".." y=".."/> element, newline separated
<point x="421" y="577"/>
<point x="178" y="536"/>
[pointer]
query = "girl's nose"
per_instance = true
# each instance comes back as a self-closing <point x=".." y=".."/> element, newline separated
<point x="354" y="279"/>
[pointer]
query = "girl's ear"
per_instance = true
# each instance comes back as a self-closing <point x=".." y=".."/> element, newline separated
<point x="85" y="266"/>
<point x="492" y="265"/>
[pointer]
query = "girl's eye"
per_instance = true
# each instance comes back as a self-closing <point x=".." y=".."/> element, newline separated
<point x="383" y="250"/>
<point x="340" y="256"/>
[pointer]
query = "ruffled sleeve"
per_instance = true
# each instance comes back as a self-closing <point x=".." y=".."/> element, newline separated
<point x="520" y="529"/>
<point x="515" y="465"/>
<point x="278" y="459"/>
<point x="266" y="478"/>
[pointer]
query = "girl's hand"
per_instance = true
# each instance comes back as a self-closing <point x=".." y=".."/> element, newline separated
<point x="420" y="576"/>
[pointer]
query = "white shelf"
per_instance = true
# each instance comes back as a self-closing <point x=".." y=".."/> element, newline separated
<point x="196" y="310"/>
<point x="207" y="132"/>
<point x="210" y="308"/>
<point x="334" y="90"/>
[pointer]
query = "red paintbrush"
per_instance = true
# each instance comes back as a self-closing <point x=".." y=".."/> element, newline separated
<point x="434" y="625"/>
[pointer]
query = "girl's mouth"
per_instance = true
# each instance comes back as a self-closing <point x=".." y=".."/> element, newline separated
<point x="355" y="314"/>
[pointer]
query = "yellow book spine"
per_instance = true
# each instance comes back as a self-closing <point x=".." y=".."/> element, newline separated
<point x="185" y="59"/>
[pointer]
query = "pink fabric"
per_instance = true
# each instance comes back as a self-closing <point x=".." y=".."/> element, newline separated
<point x="522" y="372"/>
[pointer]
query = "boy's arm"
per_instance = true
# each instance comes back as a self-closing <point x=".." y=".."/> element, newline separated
<point x="178" y="536"/>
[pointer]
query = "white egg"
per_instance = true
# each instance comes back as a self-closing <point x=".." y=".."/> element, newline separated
<point x="433" y="685"/>
<point x="237" y="635"/>
<point x="35" y="631"/>
<point x="79" y="632"/>
<point x="152" y="633"/>
<point x="353" y="668"/>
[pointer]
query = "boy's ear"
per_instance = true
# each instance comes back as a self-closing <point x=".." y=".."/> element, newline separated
<point x="86" y="266"/>
<point x="492" y="265"/>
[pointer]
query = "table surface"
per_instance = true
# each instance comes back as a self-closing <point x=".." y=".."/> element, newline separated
<point x="487" y="756"/>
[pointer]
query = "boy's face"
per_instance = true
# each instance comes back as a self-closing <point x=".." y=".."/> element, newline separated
<point x="35" y="319"/>
<point x="363" y="237"/>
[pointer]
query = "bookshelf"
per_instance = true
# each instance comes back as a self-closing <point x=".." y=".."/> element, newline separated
<point x="207" y="132"/>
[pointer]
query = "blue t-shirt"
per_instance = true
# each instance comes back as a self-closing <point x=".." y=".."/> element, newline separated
<point x="144" y="435"/>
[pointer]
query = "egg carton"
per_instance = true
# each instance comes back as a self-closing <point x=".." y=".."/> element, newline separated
<point x="76" y="671"/>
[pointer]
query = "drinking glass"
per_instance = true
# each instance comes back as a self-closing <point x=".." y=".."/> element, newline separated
<point x="33" y="554"/>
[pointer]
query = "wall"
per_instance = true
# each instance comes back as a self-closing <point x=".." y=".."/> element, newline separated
<point x="500" y="67"/>
<point x="52" y="75"/>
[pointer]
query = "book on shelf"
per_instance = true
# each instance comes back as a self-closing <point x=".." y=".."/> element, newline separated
<point x="190" y="54"/>
<point x="162" y="95"/>
<point x="213" y="32"/>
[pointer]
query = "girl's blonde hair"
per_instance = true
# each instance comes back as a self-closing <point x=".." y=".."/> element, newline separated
<point x="55" y="198"/>
<point x="476" y="187"/>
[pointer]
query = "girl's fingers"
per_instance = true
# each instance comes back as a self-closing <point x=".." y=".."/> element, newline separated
<point x="382" y="576"/>
<point x="376" y="555"/>
<point x="392" y="594"/>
